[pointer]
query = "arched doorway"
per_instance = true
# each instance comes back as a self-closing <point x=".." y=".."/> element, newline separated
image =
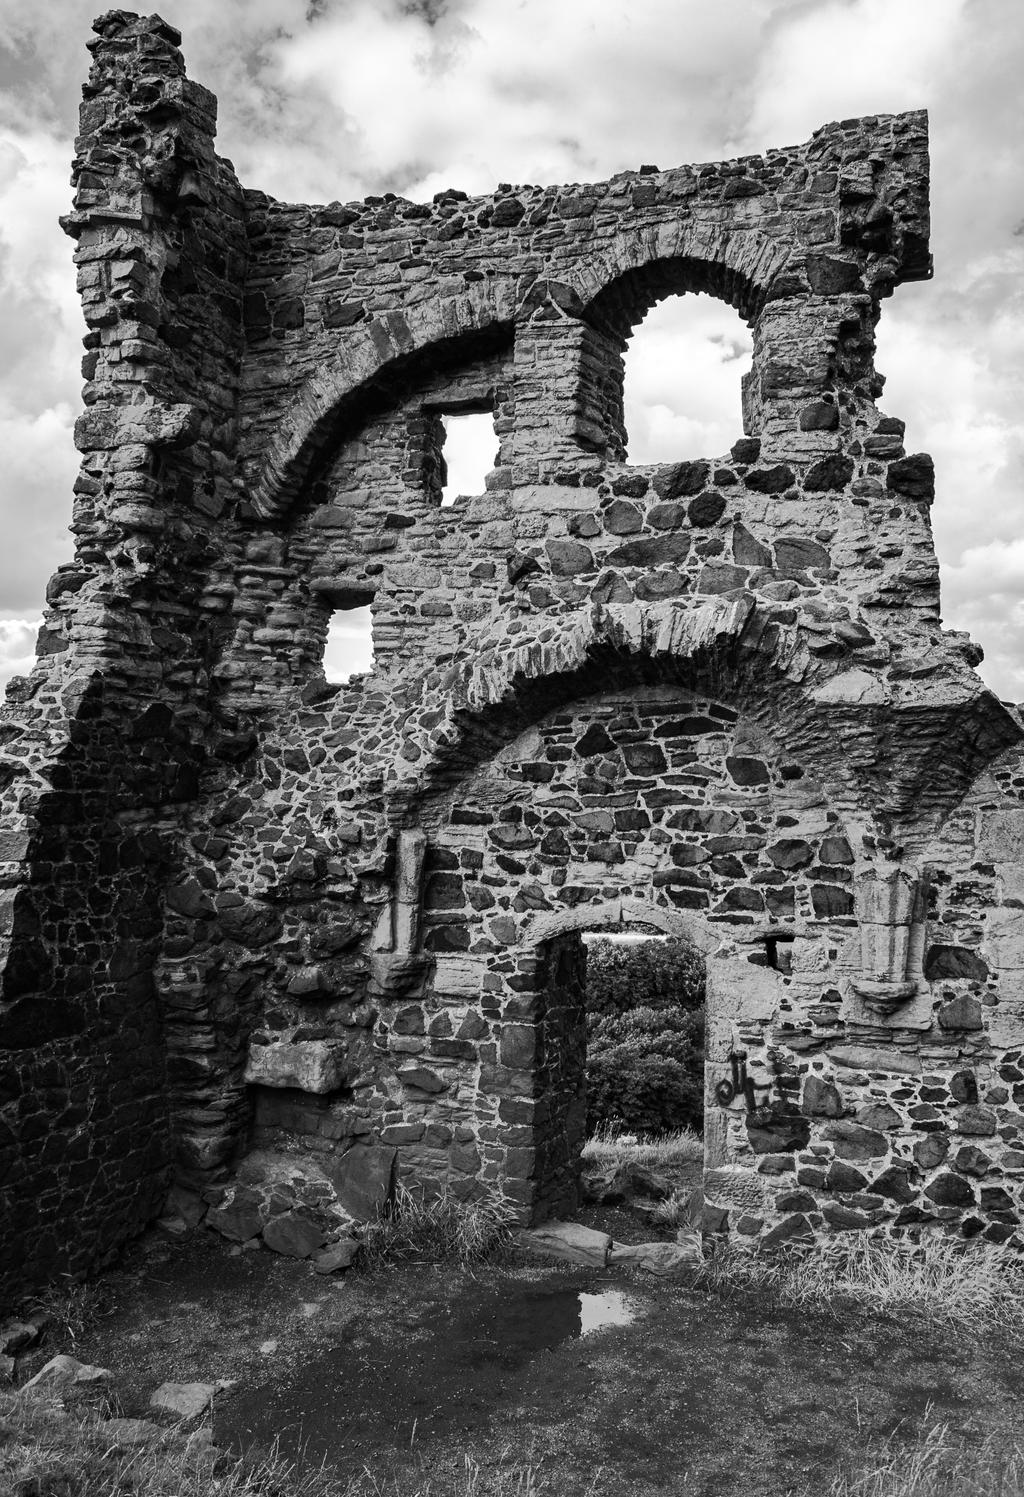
<point x="618" y="1051"/>
<point x="650" y="803"/>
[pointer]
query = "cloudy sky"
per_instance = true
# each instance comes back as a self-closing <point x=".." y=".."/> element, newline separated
<point x="325" y="99"/>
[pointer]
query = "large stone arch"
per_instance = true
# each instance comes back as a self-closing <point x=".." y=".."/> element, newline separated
<point x="513" y="876"/>
<point x="836" y="713"/>
<point x="736" y="263"/>
<point x="374" y="351"/>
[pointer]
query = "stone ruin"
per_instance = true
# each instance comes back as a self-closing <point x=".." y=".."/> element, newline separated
<point x="258" y="926"/>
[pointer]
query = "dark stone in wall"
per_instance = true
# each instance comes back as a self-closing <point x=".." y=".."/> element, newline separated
<point x="954" y="962"/>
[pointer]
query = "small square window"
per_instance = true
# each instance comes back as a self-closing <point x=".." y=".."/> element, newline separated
<point x="468" y="454"/>
<point x="349" y="648"/>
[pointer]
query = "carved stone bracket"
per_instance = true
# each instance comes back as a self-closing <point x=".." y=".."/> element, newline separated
<point x="399" y="966"/>
<point x="891" y="908"/>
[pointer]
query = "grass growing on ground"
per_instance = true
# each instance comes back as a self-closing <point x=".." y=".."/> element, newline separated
<point x="72" y="1308"/>
<point x="946" y="1281"/>
<point x="933" y="1465"/>
<point x="608" y="1147"/>
<point x="47" y="1452"/>
<point x="415" y="1228"/>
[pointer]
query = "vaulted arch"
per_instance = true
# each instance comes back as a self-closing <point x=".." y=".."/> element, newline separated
<point x="734" y="262"/>
<point x="880" y="758"/>
<point x="375" y="351"/>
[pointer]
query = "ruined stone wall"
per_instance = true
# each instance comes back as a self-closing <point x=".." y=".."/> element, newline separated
<point x="105" y="742"/>
<point x="257" y="921"/>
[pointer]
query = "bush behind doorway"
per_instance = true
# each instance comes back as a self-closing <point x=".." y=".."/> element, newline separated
<point x="645" y="1036"/>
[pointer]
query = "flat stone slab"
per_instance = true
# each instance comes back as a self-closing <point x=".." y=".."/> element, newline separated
<point x="567" y="1240"/>
<point x="875" y="1058"/>
<point x="662" y="1258"/>
<point x="184" y="1400"/>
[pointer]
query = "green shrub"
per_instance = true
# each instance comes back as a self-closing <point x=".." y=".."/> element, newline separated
<point x="645" y="1036"/>
<point x="622" y="975"/>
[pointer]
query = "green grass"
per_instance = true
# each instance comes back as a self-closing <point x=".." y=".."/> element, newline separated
<point x="47" y="1450"/>
<point x="609" y="1146"/>
<point x="44" y="1449"/>
<point x="970" y="1285"/>
<point x="73" y="1307"/>
<point x="416" y="1228"/>
<point x="933" y="1465"/>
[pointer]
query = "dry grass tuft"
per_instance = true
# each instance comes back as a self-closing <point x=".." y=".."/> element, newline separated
<point x="933" y="1465"/>
<point x="946" y="1281"/>
<point x="47" y="1450"/>
<point x="74" y="1307"/>
<point x="516" y="1480"/>
<point x="608" y="1147"/>
<point x="414" y="1228"/>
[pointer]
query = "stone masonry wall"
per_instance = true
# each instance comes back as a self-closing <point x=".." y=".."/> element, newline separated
<point x="253" y="922"/>
<point x="105" y="742"/>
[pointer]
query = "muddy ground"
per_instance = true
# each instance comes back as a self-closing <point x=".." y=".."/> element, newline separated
<point x="404" y="1373"/>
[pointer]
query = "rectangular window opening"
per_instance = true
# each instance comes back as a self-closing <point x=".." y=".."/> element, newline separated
<point x="349" y="648"/>
<point x="468" y="454"/>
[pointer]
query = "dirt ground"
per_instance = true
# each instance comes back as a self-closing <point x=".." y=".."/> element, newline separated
<point x="406" y="1372"/>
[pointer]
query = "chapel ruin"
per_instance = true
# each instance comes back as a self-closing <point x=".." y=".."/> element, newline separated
<point x="247" y="914"/>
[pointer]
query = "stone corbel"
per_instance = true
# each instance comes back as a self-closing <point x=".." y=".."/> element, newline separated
<point x="891" y="909"/>
<point x="399" y="964"/>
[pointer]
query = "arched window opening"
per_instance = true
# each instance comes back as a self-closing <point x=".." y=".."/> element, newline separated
<point x="622" y="1044"/>
<point x="349" y="648"/>
<point x="683" y="375"/>
<point x="467" y="455"/>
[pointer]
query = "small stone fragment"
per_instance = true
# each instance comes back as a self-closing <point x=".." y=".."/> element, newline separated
<point x="292" y="1235"/>
<point x="183" y="1400"/>
<point x="337" y="1256"/>
<point x="63" y="1372"/>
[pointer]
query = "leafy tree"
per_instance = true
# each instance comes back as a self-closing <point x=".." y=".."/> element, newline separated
<point x="645" y="1036"/>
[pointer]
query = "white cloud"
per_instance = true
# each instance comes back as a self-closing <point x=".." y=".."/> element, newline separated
<point x="36" y="477"/>
<point x="17" y="648"/>
<point x="349" y="644"/>
<point x="684" y="365"/>
<point x="370" y="97"/>
<point x="470" y="447"/>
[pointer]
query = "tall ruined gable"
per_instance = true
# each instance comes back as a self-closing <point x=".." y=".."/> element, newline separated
<point x="248" y="910"/>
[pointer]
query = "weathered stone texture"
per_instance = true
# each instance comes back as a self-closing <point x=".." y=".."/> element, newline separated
<point x="244" y="909"/>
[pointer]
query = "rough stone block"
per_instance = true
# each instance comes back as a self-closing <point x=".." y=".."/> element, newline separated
<point x="568" y="1240"/>
<point x="315" y="1066"/>
<point x="362" y="1179"/>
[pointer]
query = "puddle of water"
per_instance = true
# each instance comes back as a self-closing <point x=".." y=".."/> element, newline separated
<point x="612" y="1307"/>
<point x="443" y="1377"/>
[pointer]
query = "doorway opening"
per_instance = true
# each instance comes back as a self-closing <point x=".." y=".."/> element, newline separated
<point x="620" y="1078"/>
